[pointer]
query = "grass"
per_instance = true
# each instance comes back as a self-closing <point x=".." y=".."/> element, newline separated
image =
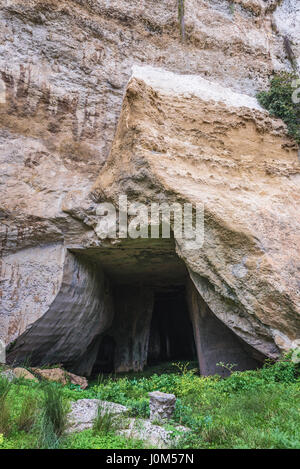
<point x="52" y="421"/>
<point x="104" y="422"/>
<point x="26" y="418"/>
<point x="251" y="409"/>
<point x="88" y="440"/>
<point x="5" y="417"/>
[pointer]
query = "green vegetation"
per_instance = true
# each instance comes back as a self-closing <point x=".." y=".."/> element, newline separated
<point x="52" y="421"/>
<point x="104" y="422"/>
<point x="88" y="440"/>
<point x="232" y="8"/>
<point x="278" y="101"/>
<point x="251" y="409"/>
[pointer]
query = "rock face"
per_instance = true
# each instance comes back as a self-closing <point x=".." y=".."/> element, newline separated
<point x="83" y="307"/>
<point x="180" y="138"/>
<point x="215" y="342"/>
<point x="64" y="69"/>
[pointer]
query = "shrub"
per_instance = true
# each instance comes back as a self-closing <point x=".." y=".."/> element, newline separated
<point x="283" y="371"/>
<point x="278" y="101"/>
<point x="88" y="440"/>
<point x="140" y="408"/>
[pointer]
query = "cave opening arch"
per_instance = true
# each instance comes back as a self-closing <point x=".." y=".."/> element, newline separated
<point x="158" y="313"/>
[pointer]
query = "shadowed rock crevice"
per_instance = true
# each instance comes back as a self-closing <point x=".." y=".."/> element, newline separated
<point x="171" y="334"/>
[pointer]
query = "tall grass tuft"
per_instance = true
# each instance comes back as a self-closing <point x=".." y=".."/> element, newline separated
<point x="53" y="421"/>
<point x="27" y="417"/>
<point x="5" y="411"/>
<point x="104" y="422"/>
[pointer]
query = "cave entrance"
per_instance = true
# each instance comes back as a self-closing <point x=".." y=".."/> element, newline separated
<point x="151" y="313"/>
<point x="126" y="305"/>
<point x="171" y="332"/>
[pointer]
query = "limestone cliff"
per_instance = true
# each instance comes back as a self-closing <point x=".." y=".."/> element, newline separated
<point x="189" y="129"/>
<point x="179" y="138"/>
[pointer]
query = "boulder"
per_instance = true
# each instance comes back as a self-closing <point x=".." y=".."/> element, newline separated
<point x="84" y="411"/>
<point x="152" y="435"/>
<point x="162" y="405"/>
<point x="8" y="374"/>
<point x="183" y="138"/>
<point x="23" y="373"/>
<point x="61" y="376"/>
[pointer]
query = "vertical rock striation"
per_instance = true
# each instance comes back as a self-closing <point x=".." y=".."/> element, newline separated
<point x="81" y="311"/>
<point x="131" y="327"/>
<point x="64" y="69"/>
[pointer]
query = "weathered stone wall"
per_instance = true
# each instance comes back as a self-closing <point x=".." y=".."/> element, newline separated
<point x="214" y="341"/>
<point x="30" y="283"/>
<point x="80" y="312"/>
<point x="64" y="66"/>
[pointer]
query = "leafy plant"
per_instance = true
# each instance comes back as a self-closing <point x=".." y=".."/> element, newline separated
<point x="140" y="408"/>
<point x="227" y="366"/>
<point x="278" y="101"/>
<point x="89" y="440"/>
<point x="232" y="8"/>
<point x="184" y="368"/>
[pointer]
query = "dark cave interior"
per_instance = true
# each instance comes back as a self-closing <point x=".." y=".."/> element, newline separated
<point x="171" y="331"/>
<point x="155" y="321"/>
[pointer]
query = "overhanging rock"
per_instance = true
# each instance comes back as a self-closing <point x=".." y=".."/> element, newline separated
<point x="179" y="139"/>
<point x="182" y="138"/>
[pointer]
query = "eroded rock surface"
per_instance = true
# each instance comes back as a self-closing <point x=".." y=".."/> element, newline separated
<point x="162" y="405"/>
<point x="61" y="376"/>
<point x="64" y="67"/>
<point x="223" y="151"/>
<point x="153" y="435"/>
<point x="25" y="374"/>
<point x="82" y="309"/>
<point x="84" y="412"/>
